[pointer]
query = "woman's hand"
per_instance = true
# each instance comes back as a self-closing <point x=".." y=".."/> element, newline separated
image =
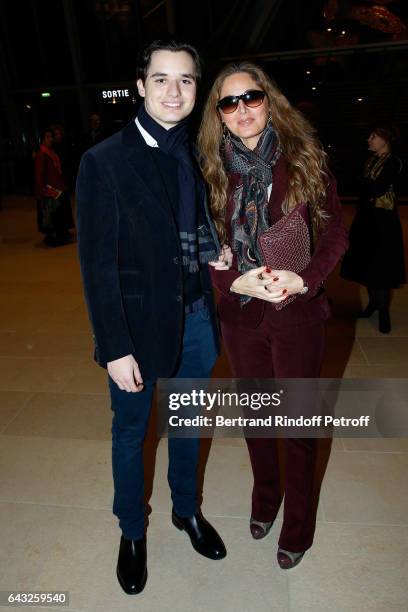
<point x="284" y="283"/>
<point x="269" y="285"/>
<point x="224" y="260"/>
<point x="253" y="284"/>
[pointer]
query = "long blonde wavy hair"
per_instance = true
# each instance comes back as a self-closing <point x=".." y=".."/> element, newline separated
<point x="305" y="158"/>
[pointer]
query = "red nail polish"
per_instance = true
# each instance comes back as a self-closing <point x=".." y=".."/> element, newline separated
<point x="276" y="278"/>
<point x="268" y="270"/>
<point x="284" y="291"/>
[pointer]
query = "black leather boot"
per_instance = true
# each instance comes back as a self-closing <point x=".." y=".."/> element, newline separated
<point x="204" y="538"/>
<point x="132" y="565"/>
<point x="384" y="321"/>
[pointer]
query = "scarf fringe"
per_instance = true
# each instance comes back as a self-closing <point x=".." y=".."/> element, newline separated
<point x="204" y="258"/>
<point x="192" y="265"/>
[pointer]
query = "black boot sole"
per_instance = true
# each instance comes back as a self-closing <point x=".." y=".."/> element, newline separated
<point x="141" y="586"/>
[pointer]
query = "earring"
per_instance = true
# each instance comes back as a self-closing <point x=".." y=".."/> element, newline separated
<point x="226" y="135"/>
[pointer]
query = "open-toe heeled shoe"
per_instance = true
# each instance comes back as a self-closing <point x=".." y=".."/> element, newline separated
<point x="259" y="529"/>
<point x="287" y="559"/>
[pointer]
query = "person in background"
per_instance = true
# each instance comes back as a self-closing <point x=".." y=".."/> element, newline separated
<point x="54" y="214"/>
<point x="64" y="150"/>
<point x="96" y="132"/>
<point x="375" y="258"/>
<point x="264" y="166"/>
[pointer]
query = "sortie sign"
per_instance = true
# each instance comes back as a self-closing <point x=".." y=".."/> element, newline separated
<point x="115" y="93"/>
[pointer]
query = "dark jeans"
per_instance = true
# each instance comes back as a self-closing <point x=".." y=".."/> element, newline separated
<point x="129" y="426"/>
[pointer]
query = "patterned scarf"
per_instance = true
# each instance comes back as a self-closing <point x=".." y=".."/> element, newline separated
<point x="250" y="218"/>
<point x="196" y="241"/>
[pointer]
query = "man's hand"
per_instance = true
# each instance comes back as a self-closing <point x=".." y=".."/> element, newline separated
<point x="224" y="260"/>
<point x="126" y="374"/>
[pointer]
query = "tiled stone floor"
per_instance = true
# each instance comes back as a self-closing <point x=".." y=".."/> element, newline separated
<point x="57" y="530"/>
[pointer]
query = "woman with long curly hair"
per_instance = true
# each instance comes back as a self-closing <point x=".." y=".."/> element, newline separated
<point x="275" y="203"/>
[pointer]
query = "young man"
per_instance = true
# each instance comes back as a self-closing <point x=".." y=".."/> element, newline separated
<point x="145" y="238"/>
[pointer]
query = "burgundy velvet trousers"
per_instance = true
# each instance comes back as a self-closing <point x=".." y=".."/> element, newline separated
<point x="271" y="351"/>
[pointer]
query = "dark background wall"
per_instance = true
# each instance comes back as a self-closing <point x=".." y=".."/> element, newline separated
<point x="344" y="62"/>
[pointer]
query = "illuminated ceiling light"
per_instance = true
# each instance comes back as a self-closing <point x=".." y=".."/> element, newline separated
<point x="359" y="99"/>
<point x="308" y="72"/>
<point x="314" y="88"/>
<point x="45" y="94"/>
<point x="328" y="29"/>
<point x="28" y="107"/>
<point x="343" y="32"/>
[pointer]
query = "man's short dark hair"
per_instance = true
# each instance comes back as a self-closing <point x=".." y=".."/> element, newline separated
<point x="162" y="45"/>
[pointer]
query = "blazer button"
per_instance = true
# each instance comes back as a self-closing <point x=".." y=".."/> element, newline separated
<point x="175" y="260"/>
<point x="179" y="298"/>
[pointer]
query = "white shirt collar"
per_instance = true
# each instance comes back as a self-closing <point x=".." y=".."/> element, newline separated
<point x="149" y="140"/>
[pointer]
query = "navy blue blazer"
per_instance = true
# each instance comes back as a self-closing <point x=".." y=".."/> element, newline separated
<point x="129" y="251"/>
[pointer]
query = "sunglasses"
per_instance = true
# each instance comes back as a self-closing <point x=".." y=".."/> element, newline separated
<point x="251" y="98"/>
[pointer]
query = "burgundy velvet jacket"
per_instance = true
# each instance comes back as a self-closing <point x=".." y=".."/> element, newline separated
<point x="330" y="245"/>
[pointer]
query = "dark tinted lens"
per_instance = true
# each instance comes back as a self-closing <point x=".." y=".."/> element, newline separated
<point x="253" y="98"/>
<point x="228" y="104"/>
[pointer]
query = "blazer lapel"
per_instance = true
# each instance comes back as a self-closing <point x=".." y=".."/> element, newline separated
<point x="142" y="163"/>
